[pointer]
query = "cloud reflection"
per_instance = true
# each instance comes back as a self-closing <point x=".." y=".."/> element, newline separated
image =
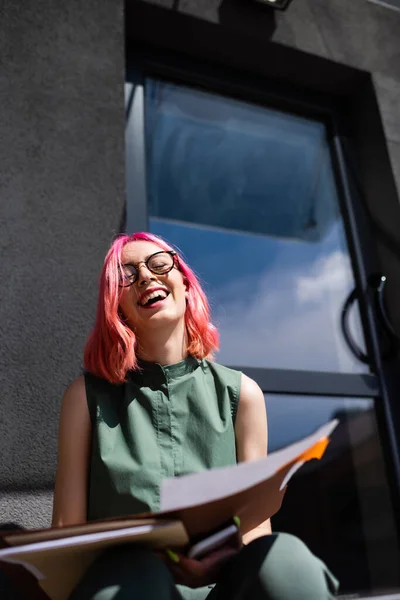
<point x="287" y="319"/>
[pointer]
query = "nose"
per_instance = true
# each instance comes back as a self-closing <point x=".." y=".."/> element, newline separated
<point x="144" y="275"/>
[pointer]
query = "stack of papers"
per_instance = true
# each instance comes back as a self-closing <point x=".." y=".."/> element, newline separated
<point x="191" y="506"/>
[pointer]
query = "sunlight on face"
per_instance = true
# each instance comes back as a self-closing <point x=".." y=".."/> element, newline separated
<point x="154" y="300"/>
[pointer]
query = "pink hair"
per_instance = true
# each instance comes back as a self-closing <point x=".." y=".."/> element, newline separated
<point x="110" y="349"/>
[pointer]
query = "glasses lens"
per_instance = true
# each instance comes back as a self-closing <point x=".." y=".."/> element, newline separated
<point x="129" y="274"/>
<point x="161" y="263"/>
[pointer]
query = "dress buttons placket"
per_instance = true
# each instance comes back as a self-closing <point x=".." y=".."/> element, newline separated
<point x="165" y="437"/>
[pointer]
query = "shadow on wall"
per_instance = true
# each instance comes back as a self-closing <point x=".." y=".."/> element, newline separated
<point x="249" y="16"/>
<point x="246" y="15"/>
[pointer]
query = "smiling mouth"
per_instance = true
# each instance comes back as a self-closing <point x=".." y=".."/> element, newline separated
<point x="153" y="298"/>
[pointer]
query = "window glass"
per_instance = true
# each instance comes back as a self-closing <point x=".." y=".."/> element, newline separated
<point x="340" y="505"/>
<point x="248" y="194"/>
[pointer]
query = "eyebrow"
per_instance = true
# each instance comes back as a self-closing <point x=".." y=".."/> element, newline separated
<point x="147" y="257"/>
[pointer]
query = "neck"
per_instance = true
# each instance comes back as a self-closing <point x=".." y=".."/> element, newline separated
<point x="163" y="347"/>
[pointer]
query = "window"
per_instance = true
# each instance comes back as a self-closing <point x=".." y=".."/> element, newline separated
<point x="346" y="493"/>
<point x="254" y="195"/>
<point x="248" y="194"/>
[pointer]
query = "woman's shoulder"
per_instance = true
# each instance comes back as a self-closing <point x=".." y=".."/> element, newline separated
<point x="227" y="380"/>
<point x="221" y="370"/>
<point x="100" y="391"/>
<point x="76" y="390"/>
<point x="230" y="379"/>
<point x="94" y="382"/>
<point x="247" y="386"/>
<point x="79" y="390"/>
<point x="74" y="398"/>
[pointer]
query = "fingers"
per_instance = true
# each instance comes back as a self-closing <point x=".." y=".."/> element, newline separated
<point x="197" y="572"/>
<point x="212" y="560"/>
<point x="207" y="566"/>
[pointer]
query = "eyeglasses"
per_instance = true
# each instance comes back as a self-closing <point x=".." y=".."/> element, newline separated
<point x="158" y="263"/>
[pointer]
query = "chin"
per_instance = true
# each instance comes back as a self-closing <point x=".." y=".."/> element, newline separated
<point x="163" y="317"/>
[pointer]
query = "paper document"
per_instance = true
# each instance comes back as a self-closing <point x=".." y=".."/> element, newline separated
<point x="191" y="506"/>
<point x="216" y="484"/>
<point x="59" y="563"/>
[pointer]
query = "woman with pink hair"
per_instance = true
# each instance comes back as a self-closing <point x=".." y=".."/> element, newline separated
<point x="153" y="404"/>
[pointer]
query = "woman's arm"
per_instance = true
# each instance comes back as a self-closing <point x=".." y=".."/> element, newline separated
<point x="74" y="437"/>
<point x="252" y="436"/>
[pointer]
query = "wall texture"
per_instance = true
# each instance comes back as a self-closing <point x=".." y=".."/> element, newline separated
<point x="360" y="34"/>
<point x="62" y="186"/>
<point x="61" y="200"/>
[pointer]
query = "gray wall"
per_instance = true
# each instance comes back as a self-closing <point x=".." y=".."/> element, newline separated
<point x="62" y="186"/>
<point x="357" y="33"/>
<point x="61" y="200"/>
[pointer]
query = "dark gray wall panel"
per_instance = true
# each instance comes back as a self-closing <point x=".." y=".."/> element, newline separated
<point x="357" y="33"/>
<point x="61" y="201"/>
<point x="394" y="150"/>
<point x="308" y="37"/>
<point x="62" y="185"/>
<point x="388" y="91"/>
<point x="361" y="34"/>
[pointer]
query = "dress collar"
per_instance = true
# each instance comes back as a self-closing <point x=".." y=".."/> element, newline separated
<point x="154" y="371"/>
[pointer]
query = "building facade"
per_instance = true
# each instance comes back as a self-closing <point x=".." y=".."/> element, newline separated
<point x="265" y="145"/>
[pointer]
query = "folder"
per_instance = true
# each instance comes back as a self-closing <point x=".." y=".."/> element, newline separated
<point x="52" y="561"/>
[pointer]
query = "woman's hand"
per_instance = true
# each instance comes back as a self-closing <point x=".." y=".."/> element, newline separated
<point x="196" y="573"/>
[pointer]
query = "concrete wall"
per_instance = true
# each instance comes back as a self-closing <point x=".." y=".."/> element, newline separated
<point x="360" y="34"/>
<point x="61" y="200"/>
<point x="62" y="185"/>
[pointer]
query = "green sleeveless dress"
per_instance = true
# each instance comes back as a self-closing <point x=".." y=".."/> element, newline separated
<point x="163" y="422"/>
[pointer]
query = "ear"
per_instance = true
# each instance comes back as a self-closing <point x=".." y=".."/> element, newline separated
<point x="186" y="284"/>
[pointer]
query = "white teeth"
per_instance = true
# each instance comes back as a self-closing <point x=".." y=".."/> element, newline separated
<point x="163" y="294"/>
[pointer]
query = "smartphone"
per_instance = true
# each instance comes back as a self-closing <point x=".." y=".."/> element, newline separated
<point x="212" y="542"/>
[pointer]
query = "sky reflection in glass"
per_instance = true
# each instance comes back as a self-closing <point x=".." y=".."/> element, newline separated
<point x="291" y="417"/>
<point x="249" y="197"/>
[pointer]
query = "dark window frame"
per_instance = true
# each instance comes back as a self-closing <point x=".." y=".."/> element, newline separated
<point x="144" y="62"/>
